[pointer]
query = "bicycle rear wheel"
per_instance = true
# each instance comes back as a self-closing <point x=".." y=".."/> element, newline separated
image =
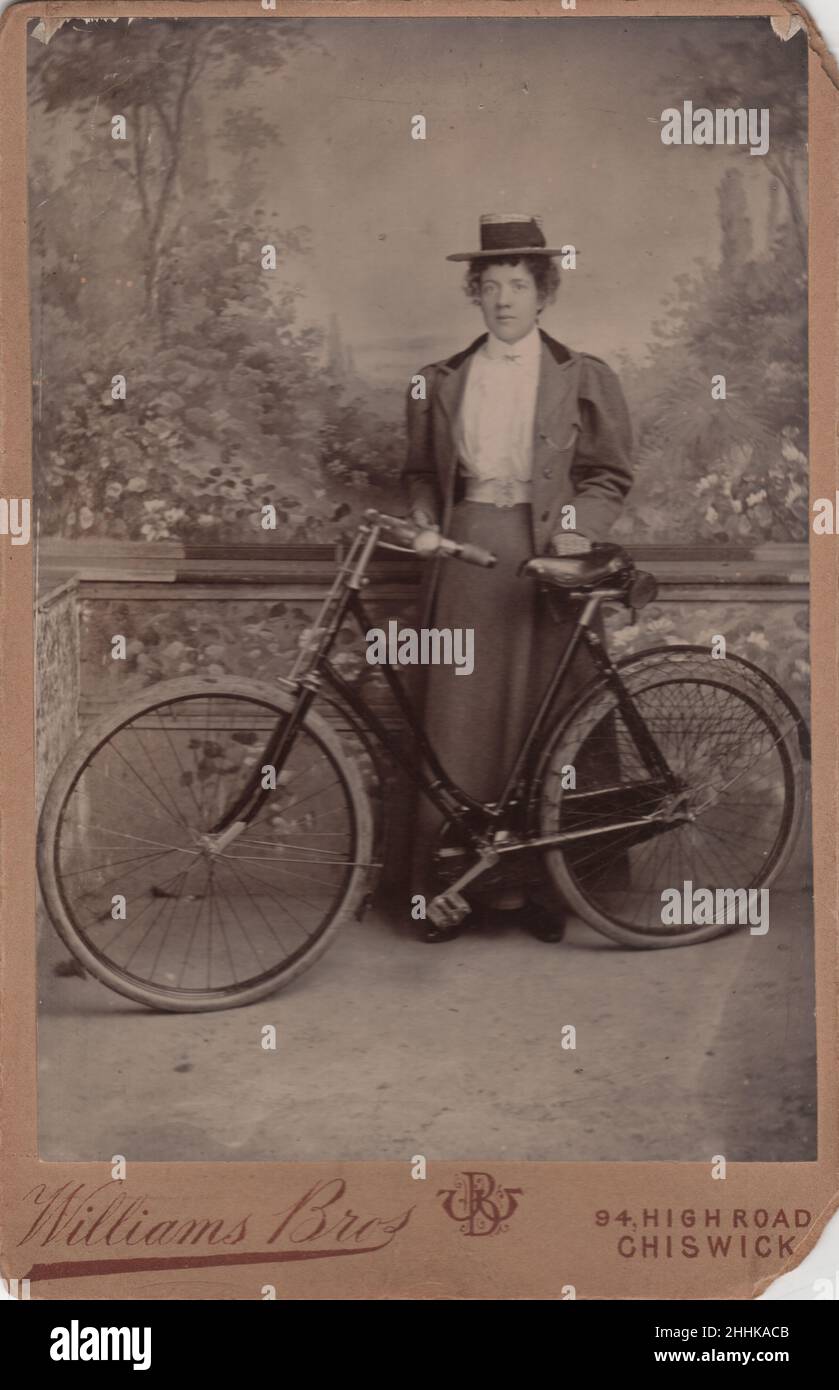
<point x="740" y="771"/>
<point x="135" y="891"/>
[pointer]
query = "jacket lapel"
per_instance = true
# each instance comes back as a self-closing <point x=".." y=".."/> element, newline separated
<point x="557" y="378"/>
<point x="556" y="398"/>
<point x="557" y="409"/>
<point x="452" y="382"/>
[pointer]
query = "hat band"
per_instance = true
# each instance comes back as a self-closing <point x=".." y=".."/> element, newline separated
<point x="502" y="236"/>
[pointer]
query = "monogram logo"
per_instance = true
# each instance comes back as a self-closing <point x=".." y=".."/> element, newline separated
<point x="480" y="1205"/>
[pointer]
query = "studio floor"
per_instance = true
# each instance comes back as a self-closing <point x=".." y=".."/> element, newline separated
<point x="389" y="1047"/>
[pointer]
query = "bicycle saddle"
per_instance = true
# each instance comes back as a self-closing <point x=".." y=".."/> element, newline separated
<point x="602" y="562"/>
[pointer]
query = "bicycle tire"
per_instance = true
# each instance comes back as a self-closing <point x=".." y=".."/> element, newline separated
<point x="594" y="706"/>
<point x="79" y="758"/>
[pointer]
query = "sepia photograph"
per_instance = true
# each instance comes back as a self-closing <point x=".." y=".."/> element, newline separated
<point x="420" y="521"/>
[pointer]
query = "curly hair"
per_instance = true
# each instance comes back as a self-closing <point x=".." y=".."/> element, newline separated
<point x="544" y="270"/>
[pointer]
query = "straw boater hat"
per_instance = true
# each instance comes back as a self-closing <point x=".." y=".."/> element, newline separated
<point x="509" y="234"/>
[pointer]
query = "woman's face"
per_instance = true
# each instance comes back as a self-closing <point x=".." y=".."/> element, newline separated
<point x="510" y="301"/>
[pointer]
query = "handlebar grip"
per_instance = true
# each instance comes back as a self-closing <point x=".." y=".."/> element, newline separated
<point x="475" y="555"/>
<point x="428" y="542"/>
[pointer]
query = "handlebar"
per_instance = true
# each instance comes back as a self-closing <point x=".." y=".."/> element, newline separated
<point x="427" y="543"/>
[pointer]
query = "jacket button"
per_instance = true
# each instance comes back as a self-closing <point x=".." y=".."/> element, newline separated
<point x="547" y="470"/>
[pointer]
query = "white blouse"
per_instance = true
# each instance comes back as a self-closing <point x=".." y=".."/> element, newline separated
<point x="498" y="408"/>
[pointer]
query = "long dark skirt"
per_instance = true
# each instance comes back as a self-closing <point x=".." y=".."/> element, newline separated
<point x="477" y="722"/>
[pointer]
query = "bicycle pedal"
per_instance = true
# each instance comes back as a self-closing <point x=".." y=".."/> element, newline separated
<point x="447" y="910"/>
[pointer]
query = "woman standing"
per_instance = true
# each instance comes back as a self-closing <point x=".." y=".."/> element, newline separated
<point x="522" y="446"/>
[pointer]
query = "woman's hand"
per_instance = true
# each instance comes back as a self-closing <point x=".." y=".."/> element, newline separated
<point x="570" y="543"/>
<point x="420" y="517"/>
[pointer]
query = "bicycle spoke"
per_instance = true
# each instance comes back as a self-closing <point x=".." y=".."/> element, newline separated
<point x="192" y="936"/>
<point x="729" y="759"/>
<point x="280" y="898"/>
<point x="280" y="894"/>
<point x="234" y="914"/>
<point x="115" y="863"/>
<point x="176" y="901"/>
<point x="149" y="792"/>
<point x="100" y="772"/>
<point x="184" y="771"/>
<point x="164" y="903"/>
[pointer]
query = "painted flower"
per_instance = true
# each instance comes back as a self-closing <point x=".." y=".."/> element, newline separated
<point x="625" y="635"/>
<point x="348" y="662"/>
<point x="791" y="454"/>
<point x="710" y="480"/>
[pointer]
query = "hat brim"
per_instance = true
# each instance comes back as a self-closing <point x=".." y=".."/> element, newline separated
<point x="502" y="252"/>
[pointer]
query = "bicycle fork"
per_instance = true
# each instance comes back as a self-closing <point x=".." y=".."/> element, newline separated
<point x="254" y="795"/>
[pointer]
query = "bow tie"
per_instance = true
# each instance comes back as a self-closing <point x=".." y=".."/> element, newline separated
<point x="512" y="356"/>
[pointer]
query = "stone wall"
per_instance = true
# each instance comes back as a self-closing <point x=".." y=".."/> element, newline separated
<point x="57" y="694"/>
<point x="249" y="618"/>
<point x="192" y="629"/>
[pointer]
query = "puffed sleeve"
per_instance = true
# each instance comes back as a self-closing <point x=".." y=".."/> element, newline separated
<point x="601" y="471"/>
<point x="419" y="476"/>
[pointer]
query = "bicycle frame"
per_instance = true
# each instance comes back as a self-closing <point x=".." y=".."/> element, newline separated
<point x="313" y="669"/>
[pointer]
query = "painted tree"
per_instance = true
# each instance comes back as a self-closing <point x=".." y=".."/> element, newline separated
<point x="760" y="71"/>
<point x="730" y="468"/>
<point x="152" y="72"/>
<point x="146" y="261"/>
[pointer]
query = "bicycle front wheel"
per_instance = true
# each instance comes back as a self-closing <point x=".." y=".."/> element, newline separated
<point x="141" y="898"/>
<point x="731" y="825"/>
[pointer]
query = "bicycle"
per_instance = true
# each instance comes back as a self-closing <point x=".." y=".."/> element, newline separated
<point x="235" y="824"/>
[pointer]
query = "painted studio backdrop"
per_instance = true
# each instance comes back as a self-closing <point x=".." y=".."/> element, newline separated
<point x="252" y="379"/>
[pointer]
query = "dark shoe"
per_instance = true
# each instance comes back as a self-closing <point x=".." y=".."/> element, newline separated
<point x="434" y="935"/>
<point x="546" y="924"/>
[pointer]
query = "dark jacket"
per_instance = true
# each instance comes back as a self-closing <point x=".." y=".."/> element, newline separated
<point x="582" y="442"/>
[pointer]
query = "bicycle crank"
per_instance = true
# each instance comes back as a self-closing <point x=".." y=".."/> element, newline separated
<point x="448" y="909"/>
